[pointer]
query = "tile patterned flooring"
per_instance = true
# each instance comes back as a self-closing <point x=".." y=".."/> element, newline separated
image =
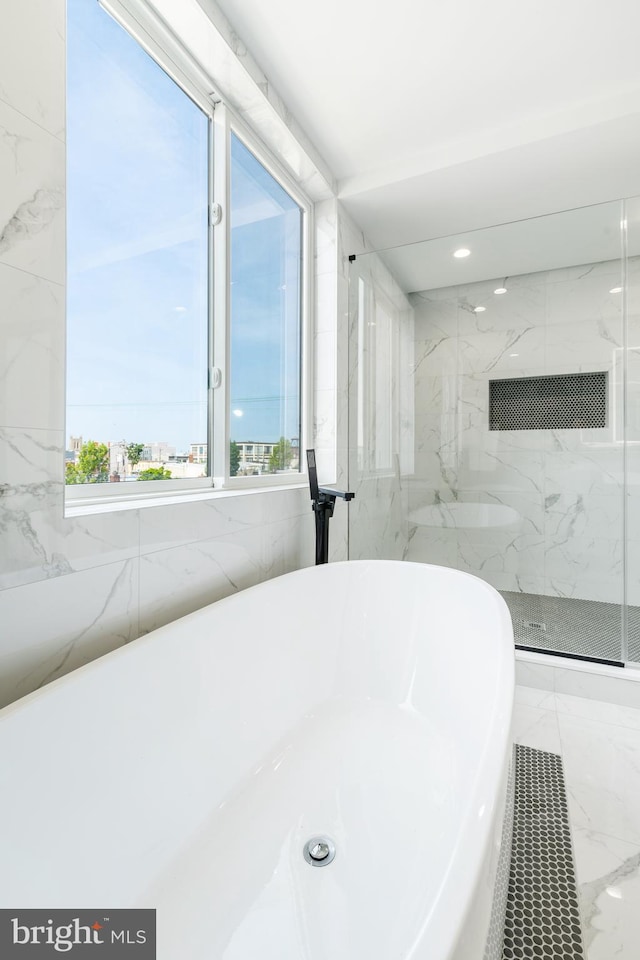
<point x="543" y="918"/>
<point x="600" y="746"/>
<point x="569" y="625"/>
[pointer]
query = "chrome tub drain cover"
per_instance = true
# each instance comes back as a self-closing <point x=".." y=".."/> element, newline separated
<point x="319" y="851"/>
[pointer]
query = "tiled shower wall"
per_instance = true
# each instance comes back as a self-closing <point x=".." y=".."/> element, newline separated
<point x="73" y="589"/>
<point x="563" y="532"/>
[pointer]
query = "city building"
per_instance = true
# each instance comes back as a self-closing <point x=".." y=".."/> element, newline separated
<point x="198" y="452"/>
<point x="158" y="452"/>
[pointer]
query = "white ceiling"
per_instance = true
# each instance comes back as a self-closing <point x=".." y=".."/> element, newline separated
<point x="584" y="236"/>
<point x="437" y="116"/>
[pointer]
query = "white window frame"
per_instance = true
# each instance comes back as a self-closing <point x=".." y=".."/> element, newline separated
<point x="233" y="124"/>
<point x="148" y="29"/>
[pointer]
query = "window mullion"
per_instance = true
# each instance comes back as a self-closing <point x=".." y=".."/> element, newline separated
<point x="220" y="287"/>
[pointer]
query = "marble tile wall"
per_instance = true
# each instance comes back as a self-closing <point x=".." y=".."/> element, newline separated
<point x="72" y="589"/>
<point x="563" y="532"/>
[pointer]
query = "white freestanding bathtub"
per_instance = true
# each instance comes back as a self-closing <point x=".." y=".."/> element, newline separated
<point x="369" y="702"/>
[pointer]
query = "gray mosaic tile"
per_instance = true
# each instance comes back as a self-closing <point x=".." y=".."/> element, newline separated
<point x="542" y="917"/>
<point x="588" y="628"/>
<point x="564" y="401"/>
<point x="495" y="936"/>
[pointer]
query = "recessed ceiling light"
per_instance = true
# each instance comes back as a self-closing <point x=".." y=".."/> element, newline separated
<point x="462" y="252"/>
<point x="500" y="290"/>
<point x="514" y="354"/>
<point x="238" y="413"/>
<point x="616" y="290"/>
<point x="479" y="309"/>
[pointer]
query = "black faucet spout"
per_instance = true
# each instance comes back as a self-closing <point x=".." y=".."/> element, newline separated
<point x="323" y="500"/>
<point x="330" y="492"/>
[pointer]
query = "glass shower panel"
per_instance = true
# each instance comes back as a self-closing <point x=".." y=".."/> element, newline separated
<point x="381" y="443"/>
<point x="517" y="468"/>
<point x="578" y="608"/>
<point x="631" y="223"/>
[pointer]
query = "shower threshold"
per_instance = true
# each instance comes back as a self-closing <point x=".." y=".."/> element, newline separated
<point x="570" y="627"/>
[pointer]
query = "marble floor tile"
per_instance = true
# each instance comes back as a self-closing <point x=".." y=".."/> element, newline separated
<point x="536" y="727"/>
<point x="597" y="710"/>
<point x="533" y="697"/>
<point x="602" y="769"/>
<point x="608" y="874"/>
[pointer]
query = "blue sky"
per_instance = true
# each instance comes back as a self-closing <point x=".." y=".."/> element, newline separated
<point x="137" y="257"/>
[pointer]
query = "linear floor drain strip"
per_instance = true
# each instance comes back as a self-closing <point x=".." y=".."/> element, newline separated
<point x="543" y="918"/>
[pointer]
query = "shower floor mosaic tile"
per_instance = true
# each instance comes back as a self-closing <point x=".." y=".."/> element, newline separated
<point x="599" y="744"/>
<point x="542" y="917"/>
<point x="587" y="628"/>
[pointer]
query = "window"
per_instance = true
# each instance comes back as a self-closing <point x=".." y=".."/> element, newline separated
<point x="266" y="274"/>
<point x="170" y="377"/>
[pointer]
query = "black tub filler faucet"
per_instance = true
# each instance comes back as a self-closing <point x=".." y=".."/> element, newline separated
<point x="323" y="500"/>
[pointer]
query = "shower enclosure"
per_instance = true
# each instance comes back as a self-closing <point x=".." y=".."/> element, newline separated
<point x="494" y="421"/>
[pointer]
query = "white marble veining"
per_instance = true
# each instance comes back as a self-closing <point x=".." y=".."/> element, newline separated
<point x="31" y="462"/>
<point x="521" y="310"/>
<point x="38" y="542"/>
<point x="378" y="520"/>
<point x="500" y="352"/>
<point x="176" y="581"/>
<point x="32" y="200"/>
<point x="586" y="295"/>
<point x="43" y="545"/>
<point x="31" y="483"/>
<point x="603" y="765"/>
<point x="609" y="887"/>
<point x="173" y="526"/>
<point x="52" y="627"/>
<point x="32" y="355"/>
<point x="567" y="485"/>
<point x="600" y="746"/>
<point x="324" y="420"/>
